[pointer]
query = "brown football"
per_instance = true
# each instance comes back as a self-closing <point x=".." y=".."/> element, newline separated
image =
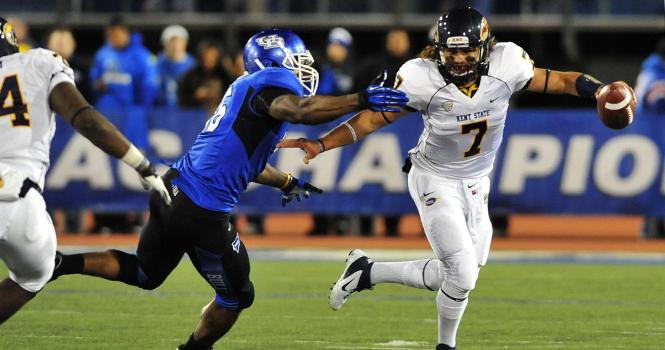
<point x="616" y="105"/>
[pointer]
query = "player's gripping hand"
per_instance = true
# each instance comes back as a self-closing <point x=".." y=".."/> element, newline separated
<point x="311" y="147"/>
<point x="295" y="187"/>
<point x="378" y="98"/>
<point x="150" y="179"/>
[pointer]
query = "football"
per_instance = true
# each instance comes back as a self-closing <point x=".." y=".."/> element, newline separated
<point x="616" y="105"/>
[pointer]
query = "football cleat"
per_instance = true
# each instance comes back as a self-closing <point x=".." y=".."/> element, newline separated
<point x="354" y="279"/>
<point x="445" y="347"/>
<point x="56" y="269"/>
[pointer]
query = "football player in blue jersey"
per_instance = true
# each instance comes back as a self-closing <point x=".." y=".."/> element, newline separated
<point x="231" y="151"/>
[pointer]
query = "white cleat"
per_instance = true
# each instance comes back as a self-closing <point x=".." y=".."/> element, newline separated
<point x="354" y="279"/>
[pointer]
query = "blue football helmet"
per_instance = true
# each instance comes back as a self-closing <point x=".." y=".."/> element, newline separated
<point x="8" y="41"/>
<point x="281" y="48"/>
<point x="463" y="27"/>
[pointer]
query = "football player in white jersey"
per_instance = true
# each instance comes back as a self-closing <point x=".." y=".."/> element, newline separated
<point x="462" y="86"/>
<point x="35" y="85"/>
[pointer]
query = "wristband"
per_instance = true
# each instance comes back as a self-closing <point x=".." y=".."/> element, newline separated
<point x="322" y="147"/>
<point x="288" y="180"/>
<point x="386" y="119"/>
<point x="363" y="100"/>
<point x="353" y="132"/>
<point x="135" y="159"/>
<point x="547" y="78"/>
<point x="587" y="86"/>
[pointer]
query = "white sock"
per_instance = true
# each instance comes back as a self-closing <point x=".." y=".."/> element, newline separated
<point x="423" y="274"/>
<point x="450" y="316"/>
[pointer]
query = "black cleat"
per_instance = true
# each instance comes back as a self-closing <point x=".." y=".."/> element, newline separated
<point x="354" y="279"/>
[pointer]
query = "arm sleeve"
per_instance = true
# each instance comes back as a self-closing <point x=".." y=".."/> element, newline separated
<point x="264" y="98"/>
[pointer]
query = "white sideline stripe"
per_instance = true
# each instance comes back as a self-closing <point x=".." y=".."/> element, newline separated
<point x="366" y="296"/>
<point x="87" y="313"/>
<point x="620" y="105"/>
<point x="496" y="256"/>
<point x="374" y="348"/>
<point x="46" y="336"/>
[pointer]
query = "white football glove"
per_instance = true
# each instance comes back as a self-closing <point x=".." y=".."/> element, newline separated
<point x="150" y="179"/>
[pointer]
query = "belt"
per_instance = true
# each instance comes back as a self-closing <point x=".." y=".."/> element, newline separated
<point x="27" y="185"/>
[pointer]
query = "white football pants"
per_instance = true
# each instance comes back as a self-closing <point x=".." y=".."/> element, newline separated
<point x="27" y="241"/>
<point x="454" y="215"/>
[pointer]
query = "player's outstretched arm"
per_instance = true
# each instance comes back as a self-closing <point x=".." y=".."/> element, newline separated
<point x="322" y="109"/>
<point x="289" y="185"/>
<point x="350" y="131"/>
<point x="572" y="83"/>
<point x="68" y="102"/>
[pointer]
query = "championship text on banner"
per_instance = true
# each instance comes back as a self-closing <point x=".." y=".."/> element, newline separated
<point x="551" y="161"/>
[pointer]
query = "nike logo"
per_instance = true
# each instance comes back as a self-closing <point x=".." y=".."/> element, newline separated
<point x="472" y="185"/>
<point x="374" y="87"/>
<point x="427" y="194"/>
<point x="493" y="100"/>
<point x="354" y="278"/>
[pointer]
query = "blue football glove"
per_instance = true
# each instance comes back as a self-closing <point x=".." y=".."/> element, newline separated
<point x="296" y="188"/>
<point x="382" y="99"/>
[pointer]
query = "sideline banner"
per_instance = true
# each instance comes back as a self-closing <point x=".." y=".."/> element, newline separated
<point x="551" y="161"/>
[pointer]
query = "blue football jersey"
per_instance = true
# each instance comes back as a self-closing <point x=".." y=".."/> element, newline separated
<point x="234" y="147"/>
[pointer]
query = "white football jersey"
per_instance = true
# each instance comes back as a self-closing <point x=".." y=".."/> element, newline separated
<point x="27" y="123"/>
<point x="462" y="134"/>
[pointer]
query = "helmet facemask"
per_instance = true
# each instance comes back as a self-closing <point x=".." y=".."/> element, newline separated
<point x="301" y="65"/>
<point x="462" y="74"/>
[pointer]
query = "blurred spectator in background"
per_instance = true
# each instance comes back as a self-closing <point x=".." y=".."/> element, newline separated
<point x="124" y="77"/>
<point x="22" y="30"/>
<point x="397" y="52"/>
<point x="650" y="94"/>
<point x="203" y="85"/>
<point x="61" y="41"/>
<point x="336" y="78"/>
<point x="172" y="64"/>
<point x="339" y="67"/>
<point x="234" y="65"/>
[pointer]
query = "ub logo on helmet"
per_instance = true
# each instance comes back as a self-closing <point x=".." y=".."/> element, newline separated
<point x="8" y="40"/>
<point x="270" y="41"/>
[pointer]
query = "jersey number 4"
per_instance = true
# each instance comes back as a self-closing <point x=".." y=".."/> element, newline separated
<point x="475" y="146"/>
<point x="12" y="102"/>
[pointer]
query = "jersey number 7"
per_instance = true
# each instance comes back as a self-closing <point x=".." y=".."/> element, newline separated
<point x="13" y="105"/>
<point x="475" y="146"/>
